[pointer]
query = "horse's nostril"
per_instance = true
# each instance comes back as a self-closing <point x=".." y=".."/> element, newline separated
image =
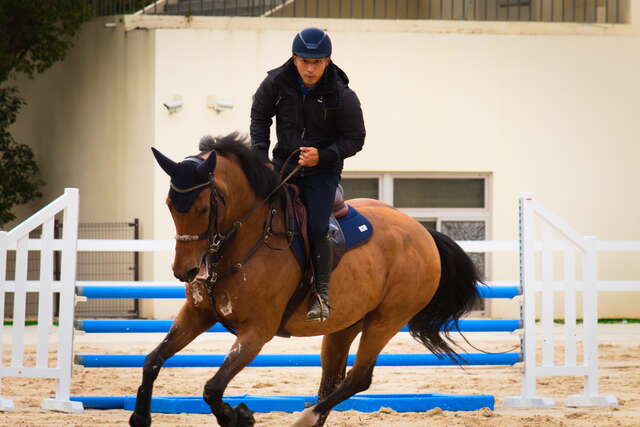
<point x="191" y="274"/>
<point x="187" y="276"/>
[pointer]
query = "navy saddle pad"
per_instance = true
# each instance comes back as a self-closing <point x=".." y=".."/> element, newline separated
<point x="356" y="230"/>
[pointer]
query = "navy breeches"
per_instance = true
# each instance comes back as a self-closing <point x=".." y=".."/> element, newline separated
<point x="318" y="195"/>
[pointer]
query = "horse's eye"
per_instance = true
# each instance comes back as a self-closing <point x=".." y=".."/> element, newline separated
<point x="203" y="211"/>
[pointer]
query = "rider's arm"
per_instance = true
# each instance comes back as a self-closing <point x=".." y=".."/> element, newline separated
<point x="262" y="110"/>
<point x="351" y="131"/>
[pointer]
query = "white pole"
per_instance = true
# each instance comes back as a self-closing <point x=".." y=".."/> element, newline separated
<point x="570" y="305"/>
<point x="547" y="309"/>
<point x="45" y="294"/>
<point x="529" y="309"/>
<point x="67" y="302"/>
<point x="5" y="404"/>
<point x="590" y="316"/>
<point x="528" y="398"/>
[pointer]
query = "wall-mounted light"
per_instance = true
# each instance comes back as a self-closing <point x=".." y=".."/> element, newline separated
<point x="174" y="105"/>
<point x="218" y="105"/>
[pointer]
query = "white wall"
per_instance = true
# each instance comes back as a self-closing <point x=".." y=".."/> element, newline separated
<point x="549" y="113"/>
<point x="547" y="108"/>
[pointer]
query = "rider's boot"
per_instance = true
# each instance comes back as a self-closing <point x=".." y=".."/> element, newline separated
<point x="323" y="263"/>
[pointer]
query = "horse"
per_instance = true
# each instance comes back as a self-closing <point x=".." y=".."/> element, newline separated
<point x="227" y="203"/>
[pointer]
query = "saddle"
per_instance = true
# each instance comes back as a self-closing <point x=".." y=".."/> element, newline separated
<point x="296" y="220"/>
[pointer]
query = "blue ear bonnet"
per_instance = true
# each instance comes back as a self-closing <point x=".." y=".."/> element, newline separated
<point x="183" y="181"/>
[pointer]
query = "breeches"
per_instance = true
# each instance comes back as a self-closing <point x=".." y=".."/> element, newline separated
<point x="318" y="196"/>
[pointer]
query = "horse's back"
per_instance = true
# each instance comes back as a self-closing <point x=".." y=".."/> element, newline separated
<point x="397" y="270"/>
<point x="403" y="247"/>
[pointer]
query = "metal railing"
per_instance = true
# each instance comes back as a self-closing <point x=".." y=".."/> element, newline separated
<point x="94" y="266"/>
<point x="584" y="11"/>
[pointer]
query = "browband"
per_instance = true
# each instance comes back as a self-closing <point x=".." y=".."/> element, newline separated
<point x="186" y="190"/>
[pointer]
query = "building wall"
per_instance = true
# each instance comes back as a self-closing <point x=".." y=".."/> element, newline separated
<point x="548" y="113"/>
<point x="90" y="123"/>
<point x="547" y="108"/>
<point x="87" y="121"/>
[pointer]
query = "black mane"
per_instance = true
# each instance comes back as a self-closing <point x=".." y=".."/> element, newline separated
<point x="261" y="179"/>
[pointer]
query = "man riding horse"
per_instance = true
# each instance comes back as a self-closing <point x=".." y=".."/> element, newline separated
<point x="319" y="115"/>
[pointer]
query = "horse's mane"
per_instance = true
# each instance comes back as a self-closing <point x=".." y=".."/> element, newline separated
<point x="261" y="179"/>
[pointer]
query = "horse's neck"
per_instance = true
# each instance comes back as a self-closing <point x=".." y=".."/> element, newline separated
<point x="239" y="197"/>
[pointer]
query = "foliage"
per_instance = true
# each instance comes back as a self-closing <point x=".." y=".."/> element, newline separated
<point x="19" y="180"/>
<point x="34" y="34"/>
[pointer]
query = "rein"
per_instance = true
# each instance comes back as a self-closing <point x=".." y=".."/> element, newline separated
<point x="217" y="240"/>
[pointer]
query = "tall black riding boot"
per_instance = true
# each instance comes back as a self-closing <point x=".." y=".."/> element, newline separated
<point x="323" y="263"/>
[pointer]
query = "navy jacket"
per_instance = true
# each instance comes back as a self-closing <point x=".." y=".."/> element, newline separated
<point x="329" y="118"/>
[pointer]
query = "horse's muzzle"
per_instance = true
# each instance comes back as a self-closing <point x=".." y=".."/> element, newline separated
<point x="186" y="276"/>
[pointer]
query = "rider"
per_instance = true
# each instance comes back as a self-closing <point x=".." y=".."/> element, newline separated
<point x="317" y="113"/>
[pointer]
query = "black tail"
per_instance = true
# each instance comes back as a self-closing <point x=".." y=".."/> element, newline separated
<point x="455" y="296"/>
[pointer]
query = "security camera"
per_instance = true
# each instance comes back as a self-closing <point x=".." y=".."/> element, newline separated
<point x="219" y="105"/>
<point x="173" y="106"/>
<point x="224" y="104"/>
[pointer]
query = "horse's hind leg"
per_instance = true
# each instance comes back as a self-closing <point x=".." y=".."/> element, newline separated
<point x="189" y="323"/>
<point x="334" y="353"/>
<point x="374" y="337"/>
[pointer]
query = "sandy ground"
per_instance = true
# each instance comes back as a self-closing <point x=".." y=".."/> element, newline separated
<point x="619" y="376"/>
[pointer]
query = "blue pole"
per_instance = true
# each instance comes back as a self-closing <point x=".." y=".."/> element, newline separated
<point x="144" y="326"/>
<point x="289" y="360"/>
<point x="177" y="291"/>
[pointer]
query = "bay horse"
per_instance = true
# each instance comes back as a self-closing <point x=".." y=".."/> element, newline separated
<point x="403" y="274"/>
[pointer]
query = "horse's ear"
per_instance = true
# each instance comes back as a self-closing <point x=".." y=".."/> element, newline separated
<point x="167" y="165"/>
<point x="207" y="166"/>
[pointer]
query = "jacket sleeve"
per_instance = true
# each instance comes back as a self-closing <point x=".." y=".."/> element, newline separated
<point x="350" y="130"/>
<point x="262" y="111"/>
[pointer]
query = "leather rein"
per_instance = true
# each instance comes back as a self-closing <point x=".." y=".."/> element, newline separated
<point x="217" y="240"/>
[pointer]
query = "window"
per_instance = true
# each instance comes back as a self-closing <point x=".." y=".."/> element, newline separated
<point x="438" y="193"/>
<point x="355" y="188"/>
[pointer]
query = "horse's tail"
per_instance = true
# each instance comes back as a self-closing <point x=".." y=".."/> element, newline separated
<point x="456" y="295"/>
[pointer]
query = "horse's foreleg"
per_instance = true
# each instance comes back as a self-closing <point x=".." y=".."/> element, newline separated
<point x="189" y="323"/>
<point x="334" y="353"/>
<point x="243" y="351"/>
<point x="374" y="337"/>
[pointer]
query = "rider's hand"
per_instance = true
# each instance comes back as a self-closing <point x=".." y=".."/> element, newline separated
<point x="308" y="156"/>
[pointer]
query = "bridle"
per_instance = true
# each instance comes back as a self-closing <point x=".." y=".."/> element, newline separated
<point x="217" y="240"/>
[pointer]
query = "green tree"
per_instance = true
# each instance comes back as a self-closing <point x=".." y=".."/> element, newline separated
<point x="34" y="34"/>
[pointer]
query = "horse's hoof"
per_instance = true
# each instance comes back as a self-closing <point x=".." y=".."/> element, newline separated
<point x="244" y="416"/>
<point x="228" y="417"/>
<point x="137" y="420"/>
